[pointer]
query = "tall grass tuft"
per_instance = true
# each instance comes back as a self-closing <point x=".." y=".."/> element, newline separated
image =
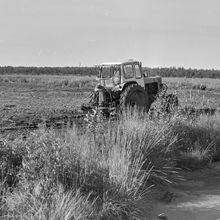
<point x="61" y="205"/>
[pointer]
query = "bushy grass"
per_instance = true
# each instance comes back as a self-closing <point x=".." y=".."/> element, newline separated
<point x="198" y="140"/>
<point x="102" y="173"/>
<point x="60" y="205"/>
<point x="112" y="177"/>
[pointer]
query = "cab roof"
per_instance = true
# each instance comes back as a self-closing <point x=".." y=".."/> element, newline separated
<point x="118" y="63"/>
<point x="110" y="64"/>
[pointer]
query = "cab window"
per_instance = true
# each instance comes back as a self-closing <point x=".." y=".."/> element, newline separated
<point x="138" y="74"/>
<point x="128" y="70"/>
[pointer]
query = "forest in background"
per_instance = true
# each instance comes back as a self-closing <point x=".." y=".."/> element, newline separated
<point x="90" y="71"/>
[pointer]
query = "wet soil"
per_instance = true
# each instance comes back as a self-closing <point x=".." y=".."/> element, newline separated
<point x="196" y="198"/>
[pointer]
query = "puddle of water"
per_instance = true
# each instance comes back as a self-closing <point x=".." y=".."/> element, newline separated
<point x="203" y="202"/>
<point x="186" y="215"/>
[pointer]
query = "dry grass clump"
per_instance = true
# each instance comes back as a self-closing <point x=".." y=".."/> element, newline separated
<point x="60" y="205"/>
<point x="111" y="179"/>
<point x="198" y="140"/>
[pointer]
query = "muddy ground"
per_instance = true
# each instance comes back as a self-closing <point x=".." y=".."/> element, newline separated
<point x="195" y="198"/>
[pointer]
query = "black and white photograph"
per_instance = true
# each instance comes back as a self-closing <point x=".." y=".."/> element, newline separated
<point x="110" y="110"/>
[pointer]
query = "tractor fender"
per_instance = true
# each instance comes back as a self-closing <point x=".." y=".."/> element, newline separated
<point x="125" y="85"/>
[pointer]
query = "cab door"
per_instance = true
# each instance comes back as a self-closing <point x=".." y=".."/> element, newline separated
<point x="138" y="74"/>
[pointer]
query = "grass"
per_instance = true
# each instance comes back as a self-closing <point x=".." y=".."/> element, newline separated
<point x="106" y="171"/>
<point x="193" y="83"/>
<point x="110" y="178"/>
<point x="61" y="206"/>
<point x="44" y="79"/>
<point x="190" y="92"/>
<point x="196" y="157"/>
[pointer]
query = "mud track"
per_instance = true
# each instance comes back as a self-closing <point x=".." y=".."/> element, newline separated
<point x="32" y="121"/>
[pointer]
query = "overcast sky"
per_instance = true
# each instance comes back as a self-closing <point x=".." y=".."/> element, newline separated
<point x="160" y="33"/>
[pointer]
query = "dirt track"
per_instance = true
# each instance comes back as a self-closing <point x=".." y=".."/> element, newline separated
<point x="197" y="198"/>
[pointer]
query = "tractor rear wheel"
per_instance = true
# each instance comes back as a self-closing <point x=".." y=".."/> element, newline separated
<point x="134" y="96"/>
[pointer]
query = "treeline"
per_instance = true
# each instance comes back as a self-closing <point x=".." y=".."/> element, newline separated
<point x="182" y="72"/>
<point x="48" y="70"/>
<point x="164" y="72"/>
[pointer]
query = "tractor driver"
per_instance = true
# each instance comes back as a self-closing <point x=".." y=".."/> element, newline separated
<point x="116" y="77"/>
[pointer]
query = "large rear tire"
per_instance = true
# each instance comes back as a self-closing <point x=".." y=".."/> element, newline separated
<point x="134" y="96"/>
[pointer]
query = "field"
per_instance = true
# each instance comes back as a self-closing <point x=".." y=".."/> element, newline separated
<point x="24" y="97"/>
<point x="114" y="170"/>
<point x="45" y="96"/>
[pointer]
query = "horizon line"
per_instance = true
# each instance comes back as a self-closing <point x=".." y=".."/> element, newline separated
<point x="143" y="66"/>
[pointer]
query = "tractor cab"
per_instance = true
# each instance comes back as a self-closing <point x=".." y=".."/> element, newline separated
<point x="116" y="75"/>
<point x="109" y="74"/>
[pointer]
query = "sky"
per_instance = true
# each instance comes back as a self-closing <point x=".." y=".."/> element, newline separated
<point x="160" y="33"/>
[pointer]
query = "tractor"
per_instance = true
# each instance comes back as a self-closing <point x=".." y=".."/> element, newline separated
<point x="124" y="84"/>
